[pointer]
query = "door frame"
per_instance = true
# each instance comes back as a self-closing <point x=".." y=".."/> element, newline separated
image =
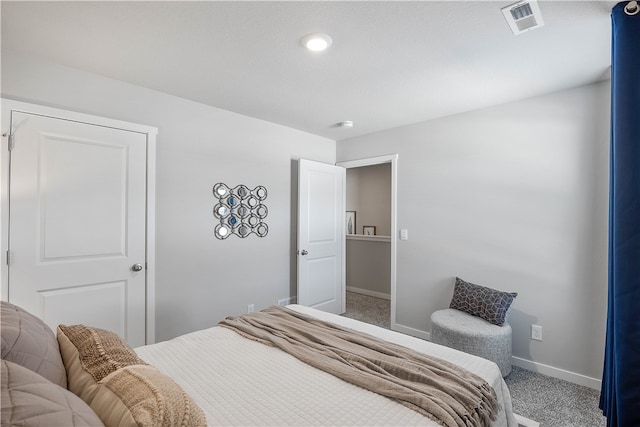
<point x="371" y="161"/>
<point x="9" y="105"/>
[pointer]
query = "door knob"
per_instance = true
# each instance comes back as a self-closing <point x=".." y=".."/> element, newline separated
<point x="136" y="267"/>
<point x="303" y="252"/>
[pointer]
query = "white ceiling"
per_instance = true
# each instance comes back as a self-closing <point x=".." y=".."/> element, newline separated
<point x="391" y="63"/>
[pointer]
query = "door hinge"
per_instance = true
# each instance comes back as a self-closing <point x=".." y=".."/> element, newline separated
<point x="8" y="257"/>
<point x="12" y="141"/>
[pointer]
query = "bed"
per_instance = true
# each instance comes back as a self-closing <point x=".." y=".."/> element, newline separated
<point x="243" y="382"/>
<point x="239" y="381"/>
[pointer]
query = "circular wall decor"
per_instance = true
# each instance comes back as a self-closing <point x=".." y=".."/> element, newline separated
<point x="240" y="210"/>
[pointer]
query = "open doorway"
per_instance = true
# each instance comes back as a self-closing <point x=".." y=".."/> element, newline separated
<point x="371" y="239"/>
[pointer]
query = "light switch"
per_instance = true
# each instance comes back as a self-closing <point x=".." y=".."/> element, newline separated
<point x="404" y="234"/>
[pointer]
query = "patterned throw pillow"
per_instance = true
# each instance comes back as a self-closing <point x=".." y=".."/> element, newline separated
<point x="487" y="303"/>
<point x="120" y="387"/>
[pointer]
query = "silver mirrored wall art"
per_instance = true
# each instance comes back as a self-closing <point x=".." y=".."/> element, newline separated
<point x="240" y="210"/>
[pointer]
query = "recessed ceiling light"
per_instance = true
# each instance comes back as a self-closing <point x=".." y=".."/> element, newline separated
<point x="316" y="42"/>
<point x="346" y="124"/>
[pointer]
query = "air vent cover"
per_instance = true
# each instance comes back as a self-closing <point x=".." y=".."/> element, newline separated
<point x="523" y="16"/>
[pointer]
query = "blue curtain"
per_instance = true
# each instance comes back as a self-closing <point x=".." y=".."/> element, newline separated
<point x="620" y="394"/>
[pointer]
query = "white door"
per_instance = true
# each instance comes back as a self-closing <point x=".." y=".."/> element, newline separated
<point x="321" y="243"/>
<point x="77" y="203"/>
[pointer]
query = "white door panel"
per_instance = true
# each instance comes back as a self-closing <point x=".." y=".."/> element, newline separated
<point x="71" y="209"/>
<point x="100" y="304"/>
<point x="77" y="209"/>
<point x="321" y="270"/>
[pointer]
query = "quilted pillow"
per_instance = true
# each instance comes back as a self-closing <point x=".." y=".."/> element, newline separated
<point x="28" y="341"/>
<point x="119" y="386"/>
<point x="28" y="399"/>
<point x="487" y="303"/>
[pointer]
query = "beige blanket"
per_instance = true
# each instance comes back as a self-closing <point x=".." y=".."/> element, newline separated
<point x="434" y="387"/>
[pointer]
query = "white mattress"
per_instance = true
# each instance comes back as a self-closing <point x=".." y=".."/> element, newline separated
<point x="240" y="382"/>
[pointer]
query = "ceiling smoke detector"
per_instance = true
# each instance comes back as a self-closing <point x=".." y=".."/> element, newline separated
<point x="523" y="16"/>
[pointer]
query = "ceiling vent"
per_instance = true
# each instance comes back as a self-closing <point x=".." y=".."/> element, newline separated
<point x="523" y="16"/>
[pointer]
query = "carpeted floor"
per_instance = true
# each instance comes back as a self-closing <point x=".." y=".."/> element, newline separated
<point x="553" y="402"/>
<point x="549" y="401"/>
<point x="376" y="311"/>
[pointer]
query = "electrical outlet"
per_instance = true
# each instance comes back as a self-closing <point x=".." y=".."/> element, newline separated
<point x="250" y="308"/>
<point x="536" y="332"/>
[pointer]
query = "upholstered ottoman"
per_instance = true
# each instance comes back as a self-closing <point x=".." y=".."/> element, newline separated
<point x="472" y="334"/>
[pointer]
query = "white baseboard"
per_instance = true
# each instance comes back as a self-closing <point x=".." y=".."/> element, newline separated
<point x="287" y="301"/>
<point x="562" y="374"/>
<point x="525" y="422"/>
<point x="541" y="368"/>
<point x="368" y="293"/>
<point x="410" y="331"/>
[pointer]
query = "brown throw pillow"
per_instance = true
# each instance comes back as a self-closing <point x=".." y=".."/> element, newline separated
<point x="29" y="342"/>
<point x="119" y="386"/>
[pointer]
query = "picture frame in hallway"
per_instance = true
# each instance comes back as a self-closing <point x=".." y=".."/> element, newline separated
<point x="369" y="230"/>
<point x="350" y="222"/>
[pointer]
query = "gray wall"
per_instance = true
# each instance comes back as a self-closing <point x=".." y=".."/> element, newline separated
<point x="369" y="267"/>
<point x="369" y="194"/>
<point x="513" y="197"/>
<point x="200" y="279"/>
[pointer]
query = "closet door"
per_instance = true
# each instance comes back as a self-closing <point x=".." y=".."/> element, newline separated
<point x="77" y="204"/>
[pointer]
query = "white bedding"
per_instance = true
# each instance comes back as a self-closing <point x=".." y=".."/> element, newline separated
<point x="240" y="382"/>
